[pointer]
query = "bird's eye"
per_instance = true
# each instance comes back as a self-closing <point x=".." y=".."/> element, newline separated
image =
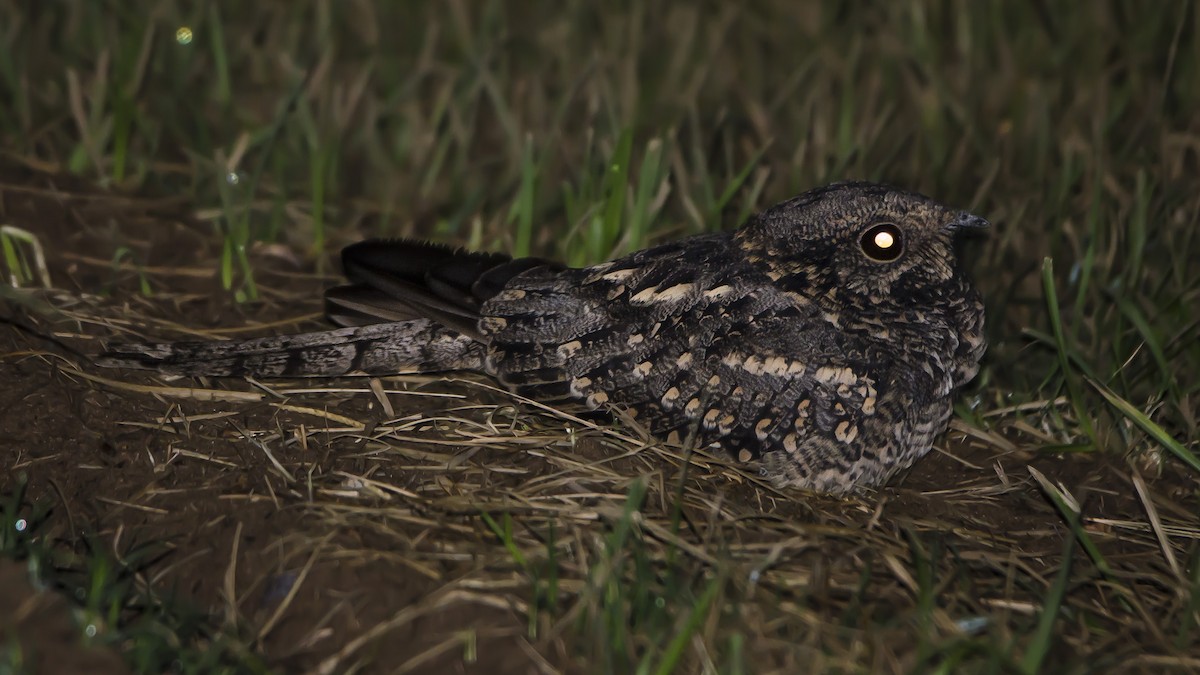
<point x="883" y="242"/>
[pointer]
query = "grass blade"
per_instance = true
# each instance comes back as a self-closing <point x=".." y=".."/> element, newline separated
<point x="1043" y="637"/>
<point x="1155" y="431"/>
<point x="1083" y="417"/>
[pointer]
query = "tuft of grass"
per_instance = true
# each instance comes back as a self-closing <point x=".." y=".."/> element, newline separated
<point x="112" y="606"/>
<point x="19" y="270"/>
<point x="639" y="609"/>
<point x="1070" y="381"/>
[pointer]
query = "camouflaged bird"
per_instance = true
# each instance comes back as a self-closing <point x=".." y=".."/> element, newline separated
<point x="822" y="341"/>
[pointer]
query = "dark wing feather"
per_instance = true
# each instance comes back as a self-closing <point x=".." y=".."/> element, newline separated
<point x="398" y="280"/>
<point x="363" y="305"/>
<point x="492" y="281"/>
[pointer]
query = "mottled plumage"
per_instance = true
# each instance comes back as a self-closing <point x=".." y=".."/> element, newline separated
<point x="823" y="340"/>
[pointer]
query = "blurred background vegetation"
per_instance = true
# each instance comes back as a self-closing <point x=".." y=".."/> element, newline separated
<point x="583" y="130"/>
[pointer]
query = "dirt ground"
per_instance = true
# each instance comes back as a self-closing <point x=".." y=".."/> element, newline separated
<point x="277" y="530"/>
<point x="90" y="450"/>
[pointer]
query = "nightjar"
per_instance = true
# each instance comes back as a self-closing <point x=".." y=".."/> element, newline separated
<point x="821" y="342"/>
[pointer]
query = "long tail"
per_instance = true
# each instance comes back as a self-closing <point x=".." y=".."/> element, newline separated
<point x="416" y="346"/>
<point x="409" y="307"/>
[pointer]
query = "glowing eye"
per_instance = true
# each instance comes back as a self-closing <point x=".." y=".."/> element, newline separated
<point x="883" y="242"/>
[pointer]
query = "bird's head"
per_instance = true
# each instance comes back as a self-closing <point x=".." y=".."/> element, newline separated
<point x="859" y="239"/>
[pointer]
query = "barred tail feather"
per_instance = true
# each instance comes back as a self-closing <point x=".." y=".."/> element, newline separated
<point x="415" y="346"/>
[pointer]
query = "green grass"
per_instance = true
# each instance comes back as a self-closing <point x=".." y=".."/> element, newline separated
<point x="17" y="246"/>
<point x="637" y="609"/>
<point x="112" y="605"/>
<point x="582" y="130"/>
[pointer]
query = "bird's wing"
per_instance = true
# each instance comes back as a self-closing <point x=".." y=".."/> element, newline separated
<point x="794" y="384"/>
<point x="566" y="334"/>
<point x="689" y="337"/>
<point x="398" y="280"/>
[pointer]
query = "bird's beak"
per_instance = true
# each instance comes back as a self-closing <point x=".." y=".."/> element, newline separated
<point x="966" y="221"/>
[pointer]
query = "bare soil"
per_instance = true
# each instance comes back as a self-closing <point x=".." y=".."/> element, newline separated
<point x="278" y="533"/>
<point x="75" y="443"/>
